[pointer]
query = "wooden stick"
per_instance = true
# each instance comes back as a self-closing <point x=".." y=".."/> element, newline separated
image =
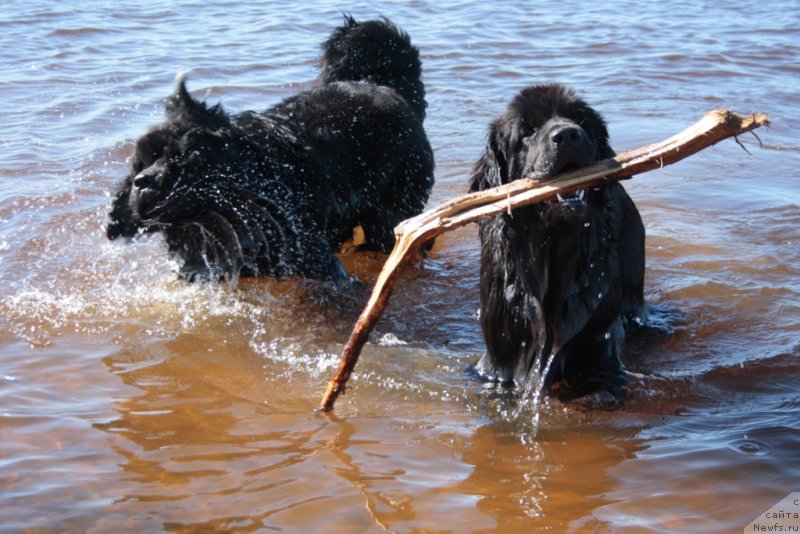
<point x="412" y="233"/>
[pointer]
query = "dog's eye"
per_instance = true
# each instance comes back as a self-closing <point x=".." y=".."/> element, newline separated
<point x="195" y="156"/>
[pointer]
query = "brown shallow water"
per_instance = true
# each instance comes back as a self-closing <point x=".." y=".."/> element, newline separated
<point x="132" y="402"/>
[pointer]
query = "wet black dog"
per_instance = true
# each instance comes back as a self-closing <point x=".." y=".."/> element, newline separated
<point x="278" y="192"/>
<point x="561" y="278"/>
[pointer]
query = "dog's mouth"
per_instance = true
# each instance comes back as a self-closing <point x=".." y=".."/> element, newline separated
<point x="560" y="198"/>
<point x="145" y="203"/>
<point x="577" y="196"/>
<point x="568" y="205"/>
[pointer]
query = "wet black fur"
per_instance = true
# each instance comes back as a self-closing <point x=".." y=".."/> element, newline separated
<point x="556" y="277"/>
<point x="278" y="192"/>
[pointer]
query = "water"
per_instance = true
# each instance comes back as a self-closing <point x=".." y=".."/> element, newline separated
<point x="130" y="401"/>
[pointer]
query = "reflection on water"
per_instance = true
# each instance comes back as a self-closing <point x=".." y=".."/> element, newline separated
<point x="130" y="401"/>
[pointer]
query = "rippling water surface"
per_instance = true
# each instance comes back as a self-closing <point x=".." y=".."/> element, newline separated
<point x="130" y="401"/>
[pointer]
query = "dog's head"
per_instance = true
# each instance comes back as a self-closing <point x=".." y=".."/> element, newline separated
<point x="205" y="180"/>
<point x="180" y="183"/>
<point x="546" y="130"/>
<point x="171" y="166"/>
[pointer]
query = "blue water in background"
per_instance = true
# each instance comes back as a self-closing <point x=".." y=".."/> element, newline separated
<point x="101" y="349"/>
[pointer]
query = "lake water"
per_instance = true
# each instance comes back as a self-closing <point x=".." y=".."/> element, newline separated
<point x="132" y="402"/>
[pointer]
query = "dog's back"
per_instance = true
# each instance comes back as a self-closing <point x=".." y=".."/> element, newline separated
<point x="375" y="52"/>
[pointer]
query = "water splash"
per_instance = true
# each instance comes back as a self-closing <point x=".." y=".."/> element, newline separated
<point x="532" y="397"/>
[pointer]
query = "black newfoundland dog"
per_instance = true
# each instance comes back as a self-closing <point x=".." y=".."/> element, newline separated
<point x="277" y="192"/>
<point x="560" y="280"/>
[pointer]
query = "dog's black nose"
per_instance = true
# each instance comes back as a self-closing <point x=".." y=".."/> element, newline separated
<point x="144" y="180"/>
<point x="566" y="135"/>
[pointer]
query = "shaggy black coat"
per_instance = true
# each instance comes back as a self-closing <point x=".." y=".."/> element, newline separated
<point x="277" y="192"/>
<point x="562" y="277"/>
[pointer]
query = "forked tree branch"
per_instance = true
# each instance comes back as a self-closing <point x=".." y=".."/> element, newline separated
<point x="412" y="233"/>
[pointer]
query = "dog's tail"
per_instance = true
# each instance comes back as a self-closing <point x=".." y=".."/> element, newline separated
<point x="377" y="52"/>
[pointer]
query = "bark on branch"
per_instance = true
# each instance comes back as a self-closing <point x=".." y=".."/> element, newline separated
<point x="412" y="233"/>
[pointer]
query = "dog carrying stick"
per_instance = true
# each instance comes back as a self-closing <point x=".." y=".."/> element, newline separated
<point x="412" y="233"/>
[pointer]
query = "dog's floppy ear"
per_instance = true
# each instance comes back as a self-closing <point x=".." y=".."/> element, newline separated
<point x="183" y="109"/>
<point x="492" y="169"/>
<point x="595" y="127"/>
